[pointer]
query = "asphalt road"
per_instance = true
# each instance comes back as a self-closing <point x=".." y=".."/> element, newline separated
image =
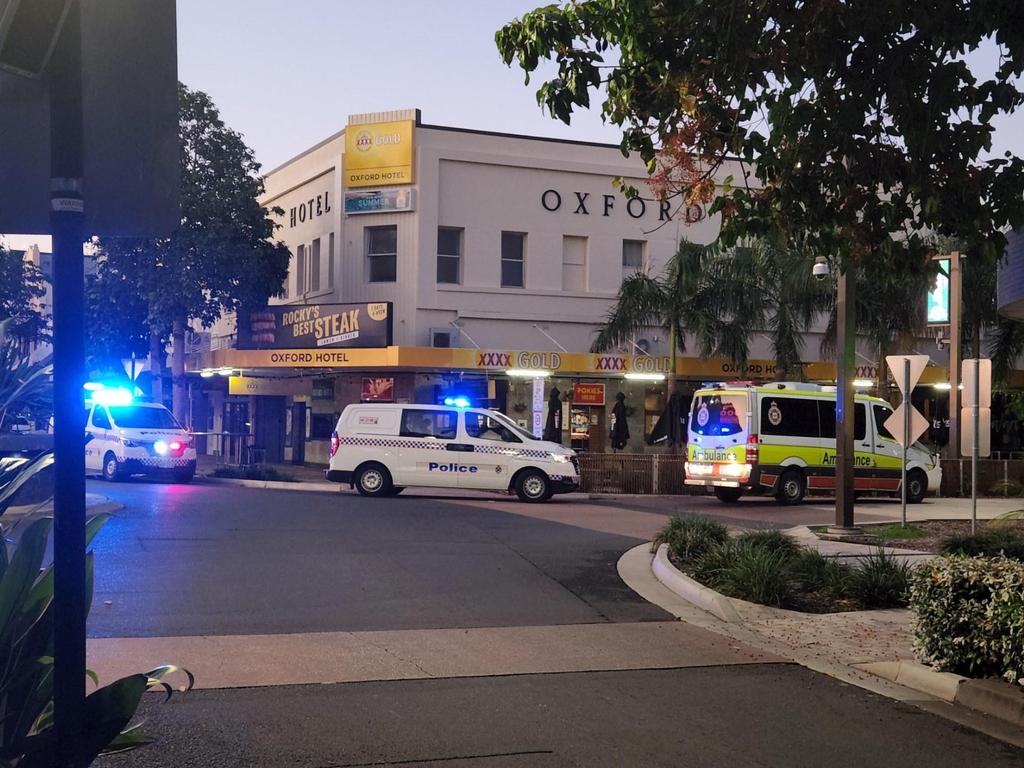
<point x="214" y="560"/>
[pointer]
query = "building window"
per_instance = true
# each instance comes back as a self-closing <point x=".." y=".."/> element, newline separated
<point x="574" y="264"/>
<point x="382" y="253"/>
<point x="323" y="389"/>
<point x="314" y="266"/>
<point x="330" y="260"/>
<point x="449" y="255"/>
<point x="633" y="257"/>
<point x="300" y="270"/>
<point x="512" y="259"/>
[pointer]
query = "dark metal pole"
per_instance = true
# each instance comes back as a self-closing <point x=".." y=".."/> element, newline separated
<point x="846" y="334"/>
<point x="68" y="376"/>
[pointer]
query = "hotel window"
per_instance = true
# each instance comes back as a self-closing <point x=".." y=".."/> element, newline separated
<point x="574" y="264"/>
<point x="382" y="253"/>
<point x="330" y="261"/>
<point x="314" y="266"/>
<point x="300" y="270"/>
<point x="449" y="255"/>
<point x="633" y="257"/>
<point x="512" y="259"/>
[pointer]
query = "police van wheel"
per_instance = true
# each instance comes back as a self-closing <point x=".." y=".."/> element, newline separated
<point x="184" y="474"/>
<point x="373" y="480"/>
<point x="792" y="487"/>
<point x="533" y="486"/>
<point x="111" y="468"/>
<point x="917" y="486"/>
<point x="396" y="489"/>
<point x="728" y="495"/>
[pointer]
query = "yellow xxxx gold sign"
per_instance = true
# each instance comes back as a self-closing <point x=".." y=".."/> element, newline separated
<point x="379" y="154"/>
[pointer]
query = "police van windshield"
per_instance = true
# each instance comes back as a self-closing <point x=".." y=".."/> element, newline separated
<point x="511" y="424"/>
<point x="142" y="417"/>
<point x="719" y="415"/>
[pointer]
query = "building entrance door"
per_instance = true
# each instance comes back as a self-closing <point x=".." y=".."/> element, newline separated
<point x="269" y="428"/>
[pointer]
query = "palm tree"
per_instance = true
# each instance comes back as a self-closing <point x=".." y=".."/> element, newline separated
<point x="721" y="298"/>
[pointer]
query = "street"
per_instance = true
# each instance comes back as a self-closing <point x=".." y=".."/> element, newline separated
<point x="329" y="630"/>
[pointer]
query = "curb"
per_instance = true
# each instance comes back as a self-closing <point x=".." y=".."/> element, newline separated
<point x="707" y="599"/>
<point x="274" y="485"/>
<point x="991" y="697"/>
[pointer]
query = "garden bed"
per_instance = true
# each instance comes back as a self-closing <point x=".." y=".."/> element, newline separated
<point x="944" y="536"/>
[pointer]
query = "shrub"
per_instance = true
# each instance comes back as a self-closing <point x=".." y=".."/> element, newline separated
<point x="881" y="581"/>
<point x="993" y="541"/>
<point x="1006" y="488"/>
<point x="771" y="541"/>
<point x="709" y="567"/>
<point x="970" y="616"/>
<point x="757" y="574"/>
<point x="691" y="537"/>
<point x="813" y="572"/>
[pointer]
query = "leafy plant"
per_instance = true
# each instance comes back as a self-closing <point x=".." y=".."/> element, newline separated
<point x="16" y="472"/>
<point x="26" y="386"/>
<point x="992" y="541"/>
<point x="757" y="574"/>
<point x="969" y="616"/>
<point x="691" y="537"/>
<point x="27" y="739"/>
<point x="881" y="581"/>
<point x="771" y="541"/>
<point x="811" y="571"/>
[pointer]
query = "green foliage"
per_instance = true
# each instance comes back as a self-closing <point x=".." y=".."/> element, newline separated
<point x="771" y="541"/>
<point x="691" y="537"/>
<point x="21" y="287"/>
<point x="881" y="580"/>
<point x="996" y="540"/>
<point x="253" y="472"/>
<point x="831" y="145"/>
<point x="758" y="574"/>
<point x="896" y="532"/>
<point x="16" y="472"/>
<point x="970" y="616"/>
<point x="26" y="680"/>
<point x="811" y="571"/>
<point x="26" y="386"/>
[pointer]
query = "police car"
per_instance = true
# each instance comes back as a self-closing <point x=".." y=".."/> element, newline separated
<point x="379" y="449"/>
<point x="127" y="437"/>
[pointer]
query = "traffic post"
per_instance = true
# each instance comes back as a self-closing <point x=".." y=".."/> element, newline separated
<point x="906" y="423"/>
<point x="976" y="421"/>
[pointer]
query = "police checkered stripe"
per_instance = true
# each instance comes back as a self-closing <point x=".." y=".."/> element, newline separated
<point x="534" y="454"/>
<point x="383" y="442"/>
<point x="164" y="463"/>
<point x="495" y="449"/>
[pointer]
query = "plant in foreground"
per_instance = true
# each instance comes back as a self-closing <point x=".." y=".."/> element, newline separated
<point x="757" y="574"/>
<point x="811" y="571"/>
<point x="881" y="581"/>
<point x="993" y="541"/>
<point x="771" y="541"/>
<point x="691" y="537"/>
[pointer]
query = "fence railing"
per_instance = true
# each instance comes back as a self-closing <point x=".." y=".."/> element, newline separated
<point x="996" y="477"/>
<point x="235" y="448"/>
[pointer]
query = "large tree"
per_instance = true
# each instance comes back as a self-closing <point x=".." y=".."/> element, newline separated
<point x="21" y="287"/>
<point x="222" y="256"/>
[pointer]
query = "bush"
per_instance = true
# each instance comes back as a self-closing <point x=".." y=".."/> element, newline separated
<point x="881" y="581"/>
<point x="813" y="572"/>
<point x="757" y="574"/>
<point x="691" y="537"/>
<point x="709" y="567"/>
<point x="771" y="541"/>
<point x="970" y="616"/>
<point x="253" y="472"/>
<point x="993" y="541"/>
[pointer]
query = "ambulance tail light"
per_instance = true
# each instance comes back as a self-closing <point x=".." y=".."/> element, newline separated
<point x="335" y="443"/>
<point x="751" y="456"/>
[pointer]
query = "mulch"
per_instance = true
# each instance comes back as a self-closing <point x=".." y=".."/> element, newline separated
<point x="935" y="532"/>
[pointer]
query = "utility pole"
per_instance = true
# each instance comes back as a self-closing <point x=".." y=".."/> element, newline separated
<point x="846" y="333"/>
<point x="66" y="223"/>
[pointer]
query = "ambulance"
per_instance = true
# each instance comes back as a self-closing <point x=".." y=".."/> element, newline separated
<point x="780" y="439"/>
<point x="379" y="449"/>
<point x="125" y="437"/>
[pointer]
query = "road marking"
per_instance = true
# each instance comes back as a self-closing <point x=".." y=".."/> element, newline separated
<point x="231" y="661"/>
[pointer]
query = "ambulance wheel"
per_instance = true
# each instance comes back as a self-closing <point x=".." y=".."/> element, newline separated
<point x="533" y="486"/>
<point x="728" y="495"/>
<point x="373" y="479"/>
<point x="917" y="486"/>
<point x="111" y="468"/>
<point x="792" y="487"/>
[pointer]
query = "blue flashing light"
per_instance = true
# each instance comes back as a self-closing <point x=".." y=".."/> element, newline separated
<point x="116" y="396"/>
<point x="458" y="401"/>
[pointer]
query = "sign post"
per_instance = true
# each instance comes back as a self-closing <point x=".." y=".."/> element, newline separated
<point x="976" y="421"/>
<point x="906" y="423"/>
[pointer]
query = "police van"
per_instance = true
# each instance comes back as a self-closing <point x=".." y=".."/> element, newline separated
<point x="379" y="449"/>
<point x="126" y="437"/>
<point x="780" y="439"/>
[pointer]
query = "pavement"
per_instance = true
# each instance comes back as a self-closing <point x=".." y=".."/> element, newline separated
<point x="330" y="630"/>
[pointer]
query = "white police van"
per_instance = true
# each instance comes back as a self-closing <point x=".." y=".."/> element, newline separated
<point x="125" y="437"/>
<point x="379" y="449"/>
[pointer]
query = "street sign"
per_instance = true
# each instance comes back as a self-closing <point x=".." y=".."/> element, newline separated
<point x="895" y="424"/>
<point x="984" y="431"/>
<point x="983" y="397"/>
<point x="917" y="365"/>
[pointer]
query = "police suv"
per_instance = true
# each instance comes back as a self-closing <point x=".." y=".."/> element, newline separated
<point x="379" y="449"/>
<point x="126" y="437"/>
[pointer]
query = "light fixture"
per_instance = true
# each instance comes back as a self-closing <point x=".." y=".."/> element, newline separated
<point x="528" y="373"/>
<point x="820" y="269"/>
<point x="225" y="371"/>
<point x="207" y="373"/>
<point x="945" y="386"/>
<point x="160" y="448"/>
<point x="645" y="376"/>
<point x="863" y="383"/>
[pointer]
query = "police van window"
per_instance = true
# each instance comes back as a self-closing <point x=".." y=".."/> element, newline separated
<point x="881" y="414"/>
<point x="790" y="416"/>
<point x="424" y="423"/>
<point x="99" y="418"/>
<point x="485" y="427"/>
<point x="827" y="417"/>
<point x="719" y="415"/>
<point x="143" y="417"/>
